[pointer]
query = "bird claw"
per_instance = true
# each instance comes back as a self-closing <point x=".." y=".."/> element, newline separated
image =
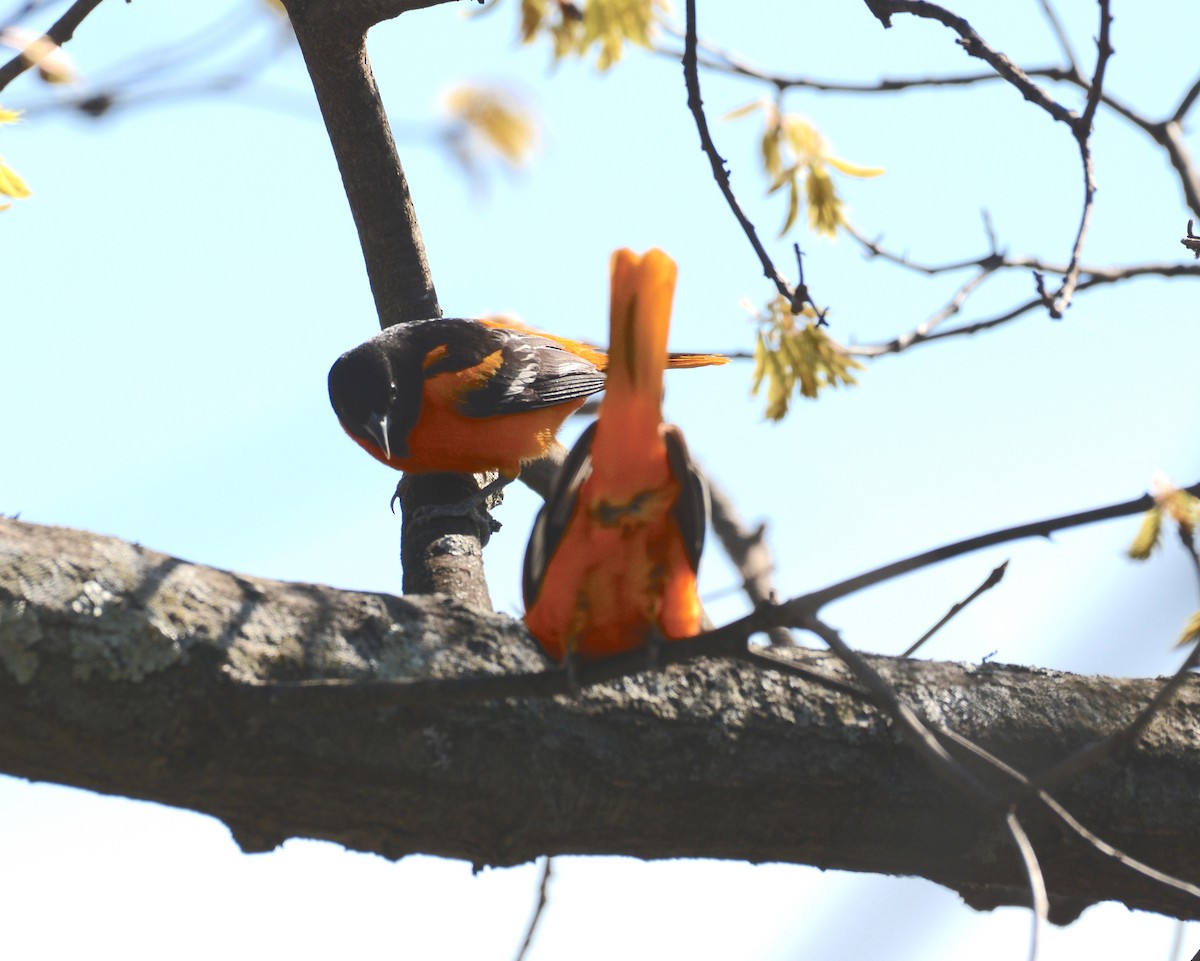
<point x="472" y="507"/>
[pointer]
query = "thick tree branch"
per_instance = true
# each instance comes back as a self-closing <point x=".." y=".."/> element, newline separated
<point x="336" y="56"/>
<point x="127" y="671"/>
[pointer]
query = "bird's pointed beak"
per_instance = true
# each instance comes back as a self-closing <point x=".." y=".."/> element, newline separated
<point x="376" y="426"/>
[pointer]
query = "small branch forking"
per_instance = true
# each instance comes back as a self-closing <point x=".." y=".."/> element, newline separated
<point x="1060" y="300"/>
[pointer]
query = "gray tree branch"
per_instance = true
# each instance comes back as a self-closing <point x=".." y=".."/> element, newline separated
<point x="127" y="671"/>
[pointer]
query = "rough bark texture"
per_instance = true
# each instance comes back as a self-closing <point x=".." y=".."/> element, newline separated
<point x="130" y="672"/>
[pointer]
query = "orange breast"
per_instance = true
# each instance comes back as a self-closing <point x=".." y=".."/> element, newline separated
<point x="446" y="441"/>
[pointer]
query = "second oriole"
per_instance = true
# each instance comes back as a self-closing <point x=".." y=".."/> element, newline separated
<point x="466" y="396"/>
<point x="611" y="564"/>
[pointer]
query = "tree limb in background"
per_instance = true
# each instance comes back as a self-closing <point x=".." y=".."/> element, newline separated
<point x="62" y="31"/>
<point x="749" y="553"/>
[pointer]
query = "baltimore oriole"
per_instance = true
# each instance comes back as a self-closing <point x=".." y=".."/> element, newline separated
<point x="611" y="564"/>
<point x="466" y="396"/>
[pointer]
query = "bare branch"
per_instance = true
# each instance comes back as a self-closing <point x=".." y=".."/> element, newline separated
<point x="750" y="554"/>
<point x="725" y="61"/>
<point x="1091" y="277"/>
<point x="1043" y="528"/>
<point x="991" y="581"/>
<point x="884" y="695"/>
<point x="1186" y="104"/>
<point x="1061" y="299"/>
<point x="992" y="260"/>
<point x="1064" y="41"/>
<point x="543" y="886"/>
<point x="1068" y="821"/>
<point x="1127" y="735"/>
<point x="925" y="737"/>
<point x="1037" y="884"/>
<point x="170" y="679"/>
<point x="720" y="173"/>
<point x="975" y="46"/>
<point x="62" y="31"/>
<point x="1167" y="133"/>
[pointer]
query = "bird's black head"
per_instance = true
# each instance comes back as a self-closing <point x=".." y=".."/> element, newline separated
<point x="362" y="389"/>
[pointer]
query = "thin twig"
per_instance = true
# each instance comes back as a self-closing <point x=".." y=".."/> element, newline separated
<point x="1026" y="788"/>
<point x="1042" y="528"/>
<point x="1167" y="133"/>
<point x="925" y="331"/>
<point x="1111" y="745"/>
<point x="975" y="46"/>
<point x="765" y="658"/>
<point x="1065" y="818"/>
<point x="543" y="884"/>
<point x="691" y="77"/>
<point x="992" y="580"/>
<point x="62" y="31"/>
<point x="1064" y="41"/>
<point x="725" y="61"/>
<point x="914" y="727"/>
<point x="1033" y="873"/>
<point x="749" y="552"/>
<point x="1188" y="101"/>
<point x="993" y="259"/>
<point x="925" y="740"/>
<point x="1061" y="299"/>
<point x="1176" y="940"/>
<point x="1096" y="277"/>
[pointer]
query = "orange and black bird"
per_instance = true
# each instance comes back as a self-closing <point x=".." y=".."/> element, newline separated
<point x="611" y="564"/>
<point x="466" y="396"/>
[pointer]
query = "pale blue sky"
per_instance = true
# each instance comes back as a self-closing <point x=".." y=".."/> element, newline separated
<point x="175" y="291"/>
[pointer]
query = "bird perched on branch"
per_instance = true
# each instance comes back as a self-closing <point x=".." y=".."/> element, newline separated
<point x="466" y="396"/>
<point x="611" y="564"/>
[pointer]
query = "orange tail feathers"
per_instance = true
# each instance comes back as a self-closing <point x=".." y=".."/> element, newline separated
<point x="612" y="559"/>
<point x="642" y="289"/>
